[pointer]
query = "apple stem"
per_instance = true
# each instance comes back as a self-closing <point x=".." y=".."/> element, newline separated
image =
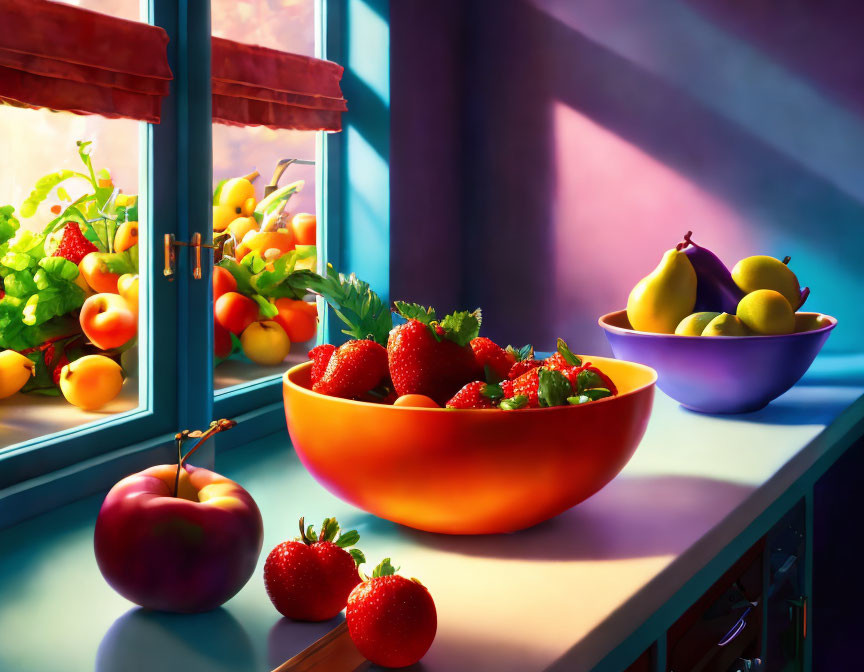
<point x="215" y="427"/>
<point x="786" y="260"/>
<point x="680" y="246"/>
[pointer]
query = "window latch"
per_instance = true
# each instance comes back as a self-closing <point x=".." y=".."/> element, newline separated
<point x="171" y="245"/>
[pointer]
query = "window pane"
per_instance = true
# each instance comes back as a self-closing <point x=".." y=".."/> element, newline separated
<point x="60" y="247"/>
<point x="252" y="352"/>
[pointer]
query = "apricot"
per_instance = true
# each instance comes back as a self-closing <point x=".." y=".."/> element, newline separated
<point x="91" y="382"/>
<point x="416" y="401"/>
<point x="235" y="312"/>
<point x="126" y="236"/>
<point x="108" y="321"/>
<point x="281" y="239"/>
<point x="265" y="343"/>
<point x="240" y="226"/>
<point x="82" y="283"/>
<point x="304" y="226"/>
<point x="223" y="215"/>
<point x="127" y="285"/>
<point x="96" y="274"/>
<point x="298" y="319"/>
<point x="15" y="371"/>
<point x="223" y="282"/>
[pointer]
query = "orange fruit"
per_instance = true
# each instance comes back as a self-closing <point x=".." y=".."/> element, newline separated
<point x="299" y="319"/>
<point x="304" y="228"/>
<point x="282" y="240"/>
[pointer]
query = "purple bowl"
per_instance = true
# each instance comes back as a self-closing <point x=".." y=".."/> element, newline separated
<point x="720" y="374"/>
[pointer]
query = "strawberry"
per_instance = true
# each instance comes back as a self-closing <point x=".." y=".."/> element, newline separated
<point x="310" y="578"/>
<point x="354" y="368"/>
<point x="73" y="245"/>
<point x="522" y="367"/>
<point x="476" y="395"/>
<point x="392" y="620"/>
<point x="430" y="357"/>
<point x="563" y="359"/>
<point x="490" y="354"/>
<point x="526" y="385"/>
<point x="320" y="356"/>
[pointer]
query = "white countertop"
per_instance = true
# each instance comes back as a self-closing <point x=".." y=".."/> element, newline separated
<point x="565" y="591"/>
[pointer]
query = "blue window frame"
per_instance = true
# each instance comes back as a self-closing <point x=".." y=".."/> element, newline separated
<point x="176" y="165"/>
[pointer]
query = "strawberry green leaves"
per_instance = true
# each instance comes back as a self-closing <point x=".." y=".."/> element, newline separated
<point x="384" y="568"/>
<point x="461" y="327"/>
<point x="568" y="356"/>
<point x="521" y="354"/>
<point x="514" y="403"/>
<point x="330" y="532"/>
<point x="554" y="388"/>
<point x="414" y="311"/>
<point x="588" y="379"/>
<point x="589" y="395"/>
<point x="354" y="302"/>
<point x="492" y="391"/>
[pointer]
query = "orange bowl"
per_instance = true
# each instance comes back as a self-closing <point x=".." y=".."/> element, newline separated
<point x="468" y="471"/>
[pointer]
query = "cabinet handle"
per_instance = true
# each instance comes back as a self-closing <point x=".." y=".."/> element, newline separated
<point x="170" y="243"/>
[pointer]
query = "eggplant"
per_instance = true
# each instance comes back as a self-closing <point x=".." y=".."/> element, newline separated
<point x="715" y="289"/>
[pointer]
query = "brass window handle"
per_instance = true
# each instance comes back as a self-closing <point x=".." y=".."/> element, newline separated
<point x="171" y="254"/>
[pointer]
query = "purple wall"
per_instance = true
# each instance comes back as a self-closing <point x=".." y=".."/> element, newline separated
<point x="545" y="153"/>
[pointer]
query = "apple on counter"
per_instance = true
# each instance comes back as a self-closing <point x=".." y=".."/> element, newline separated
<point x="178" y="538"/>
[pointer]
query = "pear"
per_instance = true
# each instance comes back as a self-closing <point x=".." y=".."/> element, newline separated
<point x="694" y="325"/>
<point x="810" y="322"/>
<point x="767" y="312"/>
<point x="764" y="272"/>
<point x="664" y="297"/>
<point x="235" y="192"/>
<point x="726" y="325"/>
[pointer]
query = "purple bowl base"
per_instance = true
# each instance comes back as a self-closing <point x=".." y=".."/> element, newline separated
<point x="746" y="409"/>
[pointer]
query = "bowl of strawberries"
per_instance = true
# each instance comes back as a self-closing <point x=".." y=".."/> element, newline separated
<point x="430" y="425"/>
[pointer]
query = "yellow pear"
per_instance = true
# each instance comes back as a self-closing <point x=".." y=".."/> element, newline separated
<point x="15" y="371"/>
<point x="235" y="192"/>
<point x="764" y="272"/>
<point x="766" y="312"/>
<point x="664" y="297"/>
<point x="694" y="325"/>
<point x="726" y="325"/>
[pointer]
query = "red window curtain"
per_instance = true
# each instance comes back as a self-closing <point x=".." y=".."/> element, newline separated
<point x="63" y="57"/>
<point x="256" y="86"/>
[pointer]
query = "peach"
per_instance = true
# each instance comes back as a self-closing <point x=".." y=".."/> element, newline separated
<point x="265" y="343"/>
<point x="96" y="274"/>
<point x="127" y="285"/>
<point x="416" y="401"/>
<point x="91" y="382"/>
<point x="108" y="321"/>
<point x="240" y="226"/>
<point x="126" y="236"/>
<point x="235" y="312"/>
<point x="223" y="282"/>
<point x="304" y="226"/>
<point x="299" y="319"/>
<point x="15" y="371"/>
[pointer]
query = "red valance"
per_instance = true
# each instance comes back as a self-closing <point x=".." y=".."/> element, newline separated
<point x="256" y="86"/>
<point x="66" y="58"/>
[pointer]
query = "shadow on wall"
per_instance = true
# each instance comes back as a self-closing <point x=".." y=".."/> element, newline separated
<point x="588" y="148"/>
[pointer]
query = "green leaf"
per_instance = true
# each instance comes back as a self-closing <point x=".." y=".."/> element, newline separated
<point x="581" y="399"/>
<point x="43" y="187"/>
<point x="554" y="388"/>
<point x="8" y="223"/>
<point x="568" y="356"/>
<point x="414" y="311"/>
<point x="358" y="556"/>
<point x="329" y="530"/>
<point x="254" y="262"/>
<point x="52" y="302"/>
<point x="588" y="379"/>
<point x="461" y="327"/>
<point x="310" y="534"/>
<point x="59" y="267"/>
<point x="491" y="375"/>
<point x="241" y="274"/>
<point x="348" y="538"/>
<point x="513" y="403"/>
<point x="17" y="261"/>
<point x="265" y="281"/>
<point x="268" y="310"/>
<point x="117" y="262"/>
<point x="596" y="393"/>
<point x="384" y="569"/>
<point x="19" y="284"/>
<point x="492" y="391"/>
<point x="523" y="353"/>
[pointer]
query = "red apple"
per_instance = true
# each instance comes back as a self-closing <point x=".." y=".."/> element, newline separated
<point x="222" y="343"/>
<point x="108" y="321"/>
<point x="223" y="282"/>
<point x="235" y="312"/>
<point x="188" y="553"/>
